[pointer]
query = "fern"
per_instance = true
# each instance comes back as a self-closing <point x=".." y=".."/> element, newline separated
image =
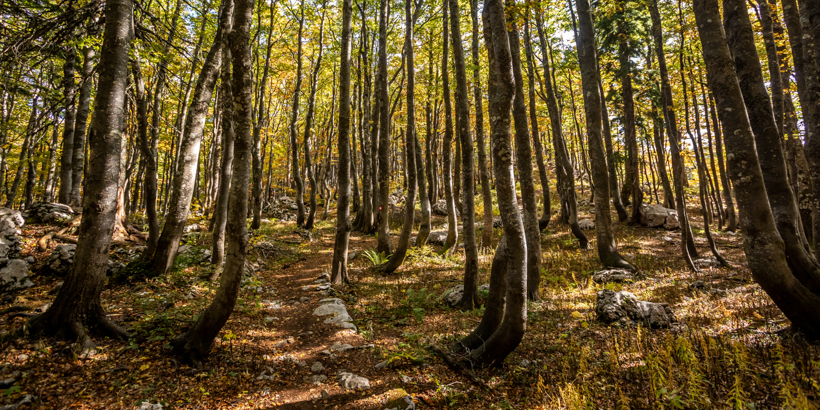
<point x="375" y="258"/>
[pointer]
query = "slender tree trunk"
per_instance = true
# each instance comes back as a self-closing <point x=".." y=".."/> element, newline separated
<point x="340" y="246"/>
<point x="539" y="150"/>
<point x="812" y="10"/>
<point x="195" y="344"/>
<point x="185" y="174"/>
<point x="294" y="116"/>
<point x="563" y="166"/>
<point x="384" y="133"/>
<point x="486" y="193"/>
<point x="762" y="243"/>
<point x="48" y="192"/>
<point x="69" y="92"/>
<point x="258" y="151"/>
<point x="77" y="308"/>
<point x="78" y="157"/>
<point x="630" y="137"/>
<point x="446" y="152"/>
<point x="220" y="217"/>
<point x="607" y="251"/>
<point x="311" y="176"/>
<point x="672" y="131"/>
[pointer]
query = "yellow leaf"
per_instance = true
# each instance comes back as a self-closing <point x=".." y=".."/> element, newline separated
<point x="576" y="314"/>
<point x="144" y="367"/>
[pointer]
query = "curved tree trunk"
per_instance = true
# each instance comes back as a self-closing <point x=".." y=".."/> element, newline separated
<point x="340" y="246"/>
<point x="762" y="243"/>
<point x="182" y="191"/>
<point x="504" y="337"/>
<point x="195" y="344"/>
<point x="77" y="309"/>
<point x="563" y="167"/>
<point x="672" y="131"/>
<point x="768" y="144"/>
<point x="536" y="139"/>
<point x="607" y="251"/>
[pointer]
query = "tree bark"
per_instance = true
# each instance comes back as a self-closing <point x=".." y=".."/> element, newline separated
<point x="469" y="299"/>
<point x="563" y="166"/>
<point x="311" y="175"/>
<point x="185" y="174"/>
<point x="447" y="143"/>
<point x="383" y="233"/>
<point x="195" y="344"/>
<point x="69" y="93"/>
<point x="536" y="140"/>
<point x="77" y="309"/>
<point x="631" y="139"/>
<point x="486" y="193"/>
<point x="78" y="154"/>
<point x="340" y="246"/>
<point x="767" y="138"/>
<point x="762" y="243"/>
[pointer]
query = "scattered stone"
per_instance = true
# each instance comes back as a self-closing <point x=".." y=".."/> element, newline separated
<point x="304" y="299"/>
<point x="525" y="363"/>
<point x="149" y="406"/>
<point x="335" y="308"/>
<point x="586" y="224"/>
<point x="341" y="347"/>
<point x="437" y="238"/>
<point x="706" y="263"/>
<point x="440" y="208"/>
<point x="9" y="381"/>
<point x="402" y="403"/>
<point x="14" y="276"/>
<point x="382" y="365"/>
<point x="452" y="297"/>
<point x="653" y="216"/>
<point x="613" y="275"/>
<point x="30" y="260"/>
<point x="317" y="367"/>
<point x="498" y="223"/>
<point x="405" y="379"/>
<point x="623" y="307"/>
<point x="325" y="276"/>
<point x="325" y="394"/>
<point x="352" y="255"/>
<point x="351" y="381"/>
<point x="267" y="375"/>
<point x="270" y="319"/>
<point x="45" y="213"/>
<point x="62" y="258"/>
<point x="282" y="209"/>
<point x="316" y="379"/>
<point x="324" y="286"/>
<point x="697" y="285"/>
<point x="191" y="228"/>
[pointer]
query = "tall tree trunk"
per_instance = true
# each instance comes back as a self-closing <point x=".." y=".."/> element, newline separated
<point x="660" y="147"/>
<point x="77" y="308"/>
<point x="523" y="161"/>
<point x="469" y="300"/>
<point x="340" y="246"/>
<point x="185" y="174"/>
<point x="195" y="344"/>
<point x="48" y="192"/>
<point x="69" y="92"/>
<point x="446" y="152"/>
<point x="25" y="152"/>
<point x="397" y="257"/>
<point x="258" y="151"/>
<point x="768" y="140"/>
<point x="78" y="154"/>
<point x="763" y="245"/>
<point x="220" y="217"/>
<point x="486" y="193"/>
<point x="311" y="176"/>
<point x="607" y="251"/>
<point x="813" y="135"/>
<point x="383" y="244"/>
<point x="294" y="116"/>
<point x="631" y="139"/>
<point x="672" y="131"/>
<point x="536" y="140"/>
<point x="563" y="166"/>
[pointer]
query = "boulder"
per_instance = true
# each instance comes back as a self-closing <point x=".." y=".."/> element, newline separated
<point x="623" y="307"/>
<point x="613" y="275"/>
<point x="653" y="216"/>
<point x="46" y="213"/>
<point x="706" y="263"/>
<point x="62" y="258"/>
<point x="10" y="223"/>
<point x="586" y="224"/>
<point x="440" y="208"/>
<point x="437" y="238"/>
<point x="351" y="381"/>
<point x="452" y="296"/>
<point x="10" y="220"/>
<point x="335" y="308"/>
<point x="14" y="276"/>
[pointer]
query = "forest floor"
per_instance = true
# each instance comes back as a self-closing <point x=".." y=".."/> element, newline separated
<point x="730" y="349"/>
